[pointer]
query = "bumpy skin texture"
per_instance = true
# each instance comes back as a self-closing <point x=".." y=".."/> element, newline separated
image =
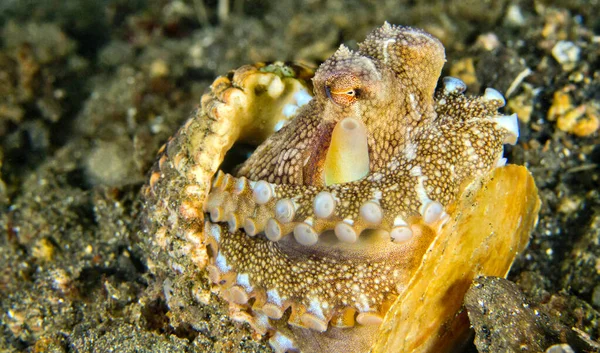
<point x="285" y="243"/>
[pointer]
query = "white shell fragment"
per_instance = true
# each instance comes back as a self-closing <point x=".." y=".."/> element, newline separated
<point x="509" y="123"/>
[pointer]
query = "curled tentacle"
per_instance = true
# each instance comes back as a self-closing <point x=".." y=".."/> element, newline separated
<point x="180" y="181"/>
<point x="349" y="291"/>
<point x="418" y="183"/>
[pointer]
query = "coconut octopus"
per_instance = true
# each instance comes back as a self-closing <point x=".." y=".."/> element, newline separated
<point x="369" y="205"/>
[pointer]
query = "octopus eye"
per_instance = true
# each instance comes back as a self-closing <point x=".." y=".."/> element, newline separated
<point x="344" y="88"/>
<point x="343" y="97"/>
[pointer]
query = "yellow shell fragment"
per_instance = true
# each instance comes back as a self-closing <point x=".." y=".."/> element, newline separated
<point x="489" y="226"/>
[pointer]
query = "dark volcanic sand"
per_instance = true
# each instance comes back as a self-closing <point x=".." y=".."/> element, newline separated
<point x="90" y="89"/>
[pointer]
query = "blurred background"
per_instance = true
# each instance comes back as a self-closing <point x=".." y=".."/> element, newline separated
<point x="90" y="89"/>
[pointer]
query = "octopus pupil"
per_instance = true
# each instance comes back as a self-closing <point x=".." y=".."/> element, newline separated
<point x="328" y="91"/>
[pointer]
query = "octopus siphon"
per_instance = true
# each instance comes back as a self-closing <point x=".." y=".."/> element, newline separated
<point x="371" y="201"/>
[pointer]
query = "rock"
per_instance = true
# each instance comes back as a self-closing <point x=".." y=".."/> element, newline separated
<point x="502" y="318"/>
<point x="506" y="321"/>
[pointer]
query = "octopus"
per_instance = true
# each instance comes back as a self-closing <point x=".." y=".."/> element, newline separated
<point x="371" y="201"/>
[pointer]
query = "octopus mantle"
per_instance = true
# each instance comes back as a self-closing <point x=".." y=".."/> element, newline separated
<point x="360" y="175"/>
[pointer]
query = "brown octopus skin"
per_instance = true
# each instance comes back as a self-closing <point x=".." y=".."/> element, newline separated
<point x="423" y="147"/>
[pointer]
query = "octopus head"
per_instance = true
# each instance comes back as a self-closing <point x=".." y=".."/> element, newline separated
<point x="415" y="56"/>
<point x="352" y="90"/>
<point x="349" y="84"/>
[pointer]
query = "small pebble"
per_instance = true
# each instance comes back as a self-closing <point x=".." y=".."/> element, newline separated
<point x="566" y="53"/>
<point x="596" y="297"/>
<point x="560" y="348"/>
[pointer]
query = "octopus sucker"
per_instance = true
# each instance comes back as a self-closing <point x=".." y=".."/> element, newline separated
<point x="365" y="210"/>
